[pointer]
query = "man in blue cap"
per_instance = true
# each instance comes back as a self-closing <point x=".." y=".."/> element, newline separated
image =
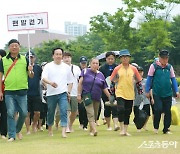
<point x="81" y="109"/>
<point x="161" y="78"/>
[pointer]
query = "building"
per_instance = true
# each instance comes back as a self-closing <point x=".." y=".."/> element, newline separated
<point x="42" y="35"/>
<point x="75" y="29"/>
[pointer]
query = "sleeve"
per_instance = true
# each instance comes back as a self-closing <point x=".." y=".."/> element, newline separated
<point x="1" y="66"/>
<point x="174" y="85"/>
<point x="27" y="61"/>
<point x="151" y="70"/>
<point x="45" y="72"/>
<point x="138" y="76"/>
<point x="172" y="72"/>
<point x="148" y="84"/>
<point x="115" y="73"/>
<point x="105" y="83"/>
<point x="70" y="76"/>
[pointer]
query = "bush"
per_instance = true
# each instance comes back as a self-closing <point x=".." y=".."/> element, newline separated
<point x="178" y="81"/>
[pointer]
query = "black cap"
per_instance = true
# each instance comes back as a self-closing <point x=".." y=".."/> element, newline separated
<point x="164" y="53"/>
<point x="83" y="59"/>
<point x="13" y="41"/>
<point x="32" y="54"/>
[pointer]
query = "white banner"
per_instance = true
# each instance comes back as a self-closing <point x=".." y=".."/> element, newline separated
<point x="28" y="21"/>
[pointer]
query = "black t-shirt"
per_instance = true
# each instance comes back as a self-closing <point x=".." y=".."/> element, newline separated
<point x="34" y="83"/>
<point x="107" y="71"/>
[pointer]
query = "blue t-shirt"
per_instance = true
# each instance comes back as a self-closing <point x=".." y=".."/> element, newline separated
<point x="99" y="83"/>
<point x="34" y="83"/>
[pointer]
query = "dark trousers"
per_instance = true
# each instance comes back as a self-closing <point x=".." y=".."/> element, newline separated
<point x="162" y="105"/>
<point x="83" y="120"/>
<point x="3" y="118"/>
<point x="124" y="109"/>
<point x="99" y="111"/>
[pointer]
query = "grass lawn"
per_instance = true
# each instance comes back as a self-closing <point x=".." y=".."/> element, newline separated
<point x="107" y="142"/>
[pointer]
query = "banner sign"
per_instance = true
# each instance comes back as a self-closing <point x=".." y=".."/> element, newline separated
<point x="29" y="21"/>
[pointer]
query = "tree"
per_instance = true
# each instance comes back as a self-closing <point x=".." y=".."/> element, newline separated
<point x="175" y="37"/>
<point x="156" y="35"/>
<point x="115" y="30"/>
<point x="44" y="51"/>
<point x="152" y="9"/>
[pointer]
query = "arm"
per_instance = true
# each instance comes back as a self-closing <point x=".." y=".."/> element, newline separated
<point x="1" y="94"/>
<point x="30" y="71"/>
<point x="70" y="85"/>
<point x="175" y="86"/>
<point x="148" y="85"/>
<point x="114" y="76"/>
<point x="79" y="89"/>
<point x="53" y="84"/>
<point x="107" y="93"/>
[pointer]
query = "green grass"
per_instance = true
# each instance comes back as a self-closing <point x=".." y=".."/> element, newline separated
<point x="106" y="142"/>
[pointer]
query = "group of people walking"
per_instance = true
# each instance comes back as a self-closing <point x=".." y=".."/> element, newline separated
<point x="79" y="91"/>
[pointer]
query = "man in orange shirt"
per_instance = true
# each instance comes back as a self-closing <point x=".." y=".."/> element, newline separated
<point x="124" y="76"/>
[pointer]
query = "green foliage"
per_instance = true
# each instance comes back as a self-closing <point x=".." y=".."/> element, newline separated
<point x="178" y="80"/>
<point x="175" y="39"/>
<point x="156" y="34"/>
<point x="44" y="51"/>
<point x="115" y="30"/>
<point x="152" y="9"/>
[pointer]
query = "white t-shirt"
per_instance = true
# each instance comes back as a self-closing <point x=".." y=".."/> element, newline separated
<point x="76" y="73"/>
<point x="60" y="74"/>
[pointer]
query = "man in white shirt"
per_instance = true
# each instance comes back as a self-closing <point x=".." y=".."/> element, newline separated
<point x="73" y="103"/>
<point x="58" y="77"/>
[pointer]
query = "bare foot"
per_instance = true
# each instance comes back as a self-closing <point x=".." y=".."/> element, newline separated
<point x="122" y="133"/>
<point x="64" y="135"/>
<point x="19" y="136"/>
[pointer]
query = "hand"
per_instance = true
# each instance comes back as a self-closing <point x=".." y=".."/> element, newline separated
<point x="53" y="84"/>
<point x="1" y="96"/>
<point x="79" y="98"/>
<point x="68" y="97"/>
<point x="152" y="101"/>
<point x="177" y="95"/>
<point x="30" y="68"/>
<point x="148" y="95"/>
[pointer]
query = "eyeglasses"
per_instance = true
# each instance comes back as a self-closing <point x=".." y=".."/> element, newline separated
<point x="125" y="57"/>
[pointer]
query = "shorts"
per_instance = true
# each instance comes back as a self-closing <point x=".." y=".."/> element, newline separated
<point x="34" y="103"/>
<point x="73" y="104"/>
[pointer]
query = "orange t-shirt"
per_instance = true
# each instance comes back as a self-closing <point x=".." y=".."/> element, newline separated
<point x="125" y="81"/>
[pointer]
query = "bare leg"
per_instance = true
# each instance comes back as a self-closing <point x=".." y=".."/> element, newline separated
<point x="64" y="132"/>
<point x="50" y="131"/>
<point x="27" y="123"/>
<point x="116" y="127"/>
<point x="72" y="118"/>
<point x="93" y="128"/>
<point x="108" y="120"/>
<point x="122" y="132"/>
<point x="35" y="120"/>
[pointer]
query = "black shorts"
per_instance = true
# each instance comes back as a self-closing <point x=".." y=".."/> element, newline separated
<point x="34" y="103"/>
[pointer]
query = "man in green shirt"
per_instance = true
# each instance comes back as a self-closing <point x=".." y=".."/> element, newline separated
<point x="16" y="85"/>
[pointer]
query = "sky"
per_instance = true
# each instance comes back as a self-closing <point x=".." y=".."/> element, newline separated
<point x="59" y="11"/>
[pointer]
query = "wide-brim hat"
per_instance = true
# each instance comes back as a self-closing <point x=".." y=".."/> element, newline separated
<point x="124" y="52"/>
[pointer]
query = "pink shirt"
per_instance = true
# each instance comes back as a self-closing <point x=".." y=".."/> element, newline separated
<point x="152" y="70"/>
